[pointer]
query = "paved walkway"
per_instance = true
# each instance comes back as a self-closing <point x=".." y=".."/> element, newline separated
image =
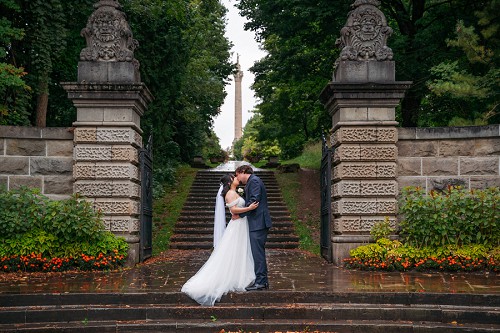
<point x="289" y="270"/>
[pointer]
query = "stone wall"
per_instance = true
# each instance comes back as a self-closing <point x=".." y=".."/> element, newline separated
<point x="37" y="157"/>
<point x="434" y="158"/>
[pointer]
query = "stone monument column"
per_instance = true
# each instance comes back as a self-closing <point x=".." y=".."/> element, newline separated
<point x="110" y="100"/>
<point x="238" y="77"/>
<point x="361" y="98"/>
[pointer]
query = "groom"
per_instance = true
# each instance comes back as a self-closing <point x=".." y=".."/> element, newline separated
<point x="259" y="222"/>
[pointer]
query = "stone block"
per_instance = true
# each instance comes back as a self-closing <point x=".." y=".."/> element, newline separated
<point x="123" y="153"/>
<point x="86" y="170"/>
<point x="417" y="148"/>
<point x="378" y="152"/>
<point x="360" y="224"/>
<point x="387" y="134"/>
<point x="120" y="115"/>
<point x="355" y="170"/>
<point x="379" y="188"/>
<point x="364" y="71"/>
<point x="479" y="166"/>
<point x="114" y="188"/>
<point x="11" y="165"/>
<point x="441" y="184"/>
<point x="347" y="153"/>
<point x="412" y="181"/>
<point x="25" y="147"/>
<point x="25" y="181"/>
<point x="380" y="114"/>
<point x="58" y="133"/>
<point x="119" y="135"/>
<point x="487" y="147"/>
<point x="85" y="135"/>
<point x="60" y="148"/>
<point x="409" y="166"/>
<point x="407" y="133"/>
<point x="90" y="115"/>
<point x="107" y="72"/>
<point x="117" y="206"/>
<point x="365" y="206"/>
<point x="471" y="132"/>
<point x="22" y="132"/>
<point x="386" y="170"/>
<point x="2" y="143"/>
<point x="51" y="166"/>
<point x="456" y="148"/>
<point x="350" y="114"/>
<point x="444" y="166"/>
<point x="478" y="182"/>
<point x="93" y="153"/>
<point x="58" y="185"/>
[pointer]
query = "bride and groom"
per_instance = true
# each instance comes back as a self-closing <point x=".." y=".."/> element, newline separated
<point x="238" y="261"/>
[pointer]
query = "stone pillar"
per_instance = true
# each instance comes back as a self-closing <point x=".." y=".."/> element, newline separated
<point x="110" y="100"/>
<point x="361" y="98"/>
<point x="238" y="77"/>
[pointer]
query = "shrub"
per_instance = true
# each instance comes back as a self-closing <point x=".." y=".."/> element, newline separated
<point x="40" y="234"/>
<point x="457" y="217"/>
<point x="381" y="229"/>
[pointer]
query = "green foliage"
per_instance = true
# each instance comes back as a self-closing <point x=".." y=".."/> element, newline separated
<point x="381" y="229"/>
<point x="457" y="217"/>
<point x="37" y="231"/>
<point x="310" y="157"/>
<point x="167" y="208"/>
<point x="393" y="255"/>
<point x="290" y="190"/>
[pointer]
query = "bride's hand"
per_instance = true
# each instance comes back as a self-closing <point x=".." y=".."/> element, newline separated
<point x="253" y="205"/>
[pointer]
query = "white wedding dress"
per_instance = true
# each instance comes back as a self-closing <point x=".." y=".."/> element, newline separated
<point x="229" y="268"/>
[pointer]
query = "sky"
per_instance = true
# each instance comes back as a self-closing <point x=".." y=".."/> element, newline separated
<point x="245" y="45"/>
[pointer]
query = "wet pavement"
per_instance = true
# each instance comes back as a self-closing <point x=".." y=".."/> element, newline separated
<point x="289" y="270"/>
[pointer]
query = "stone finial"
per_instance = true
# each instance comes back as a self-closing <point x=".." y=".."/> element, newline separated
<point x="364" y="37"/>
<point x="108" y="35"/>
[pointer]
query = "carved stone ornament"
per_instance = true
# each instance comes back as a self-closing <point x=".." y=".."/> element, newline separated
<point x="108" y="35"/>
<point x="364" y="37"/>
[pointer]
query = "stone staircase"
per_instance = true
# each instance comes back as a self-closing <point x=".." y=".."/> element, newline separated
<point x="194" y="228"/>
<point x="266" y="311"/>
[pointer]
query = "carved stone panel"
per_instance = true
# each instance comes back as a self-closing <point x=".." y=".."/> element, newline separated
<point x="93" y="189"/>
<point x="365" y="206"/>
<point x="117" y="206"/>
<point x="86" y="170"/>
<point x="85" y="135"/>
<point x="119" y="135"/>
<point x="378" y="152"/>
<point x="364" y="135"/>
<point x="359" y="224"/>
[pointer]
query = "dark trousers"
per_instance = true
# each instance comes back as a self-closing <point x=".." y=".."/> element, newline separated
<point x="258" y="240"/>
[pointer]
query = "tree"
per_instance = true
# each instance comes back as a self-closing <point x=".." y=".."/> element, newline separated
<point x="14" y="92"/>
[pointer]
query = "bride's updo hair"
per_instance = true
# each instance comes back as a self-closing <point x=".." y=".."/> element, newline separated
<point x="226" y="181"/>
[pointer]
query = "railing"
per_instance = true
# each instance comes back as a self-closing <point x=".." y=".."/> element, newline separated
<point x="146" y="218"/>
<point x="326" y="200"/>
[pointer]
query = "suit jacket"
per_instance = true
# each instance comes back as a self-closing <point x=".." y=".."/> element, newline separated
<point x="259" y="218"/>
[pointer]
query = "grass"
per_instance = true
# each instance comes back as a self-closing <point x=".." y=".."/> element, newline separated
<point x="310" y="157"/>
<point x="167" y="209"/>
<point x="290" y="189"/>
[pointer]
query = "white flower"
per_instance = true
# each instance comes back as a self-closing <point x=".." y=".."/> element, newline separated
<point x="240" y="191"/>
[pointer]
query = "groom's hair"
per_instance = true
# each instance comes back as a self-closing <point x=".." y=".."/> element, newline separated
<point x="244" y="169"/>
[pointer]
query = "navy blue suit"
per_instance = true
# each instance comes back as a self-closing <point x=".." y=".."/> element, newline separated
<point x="259" y="222"/>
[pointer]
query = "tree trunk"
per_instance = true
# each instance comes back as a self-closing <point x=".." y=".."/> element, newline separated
<point x="42" y="101"/>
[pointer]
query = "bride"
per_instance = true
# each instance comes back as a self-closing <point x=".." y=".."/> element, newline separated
<point x="230" y="266"/>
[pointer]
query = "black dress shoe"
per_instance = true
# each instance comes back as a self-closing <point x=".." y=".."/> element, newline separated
<point x="257" y="286"/>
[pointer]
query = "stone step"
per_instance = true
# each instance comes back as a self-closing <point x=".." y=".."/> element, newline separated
<point x="187" y="212"/>
<point x="209" y="231"/>
<point x="208" y="223"/>
<point x="212" y="325"/>
<point x="208" y="245"/>
<point x="208" y="237"/>
<point x="262" y="317"/>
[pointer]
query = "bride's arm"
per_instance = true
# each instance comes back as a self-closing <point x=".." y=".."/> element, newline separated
<point x="232" y="197"/>
<point x="238" y="210"/>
